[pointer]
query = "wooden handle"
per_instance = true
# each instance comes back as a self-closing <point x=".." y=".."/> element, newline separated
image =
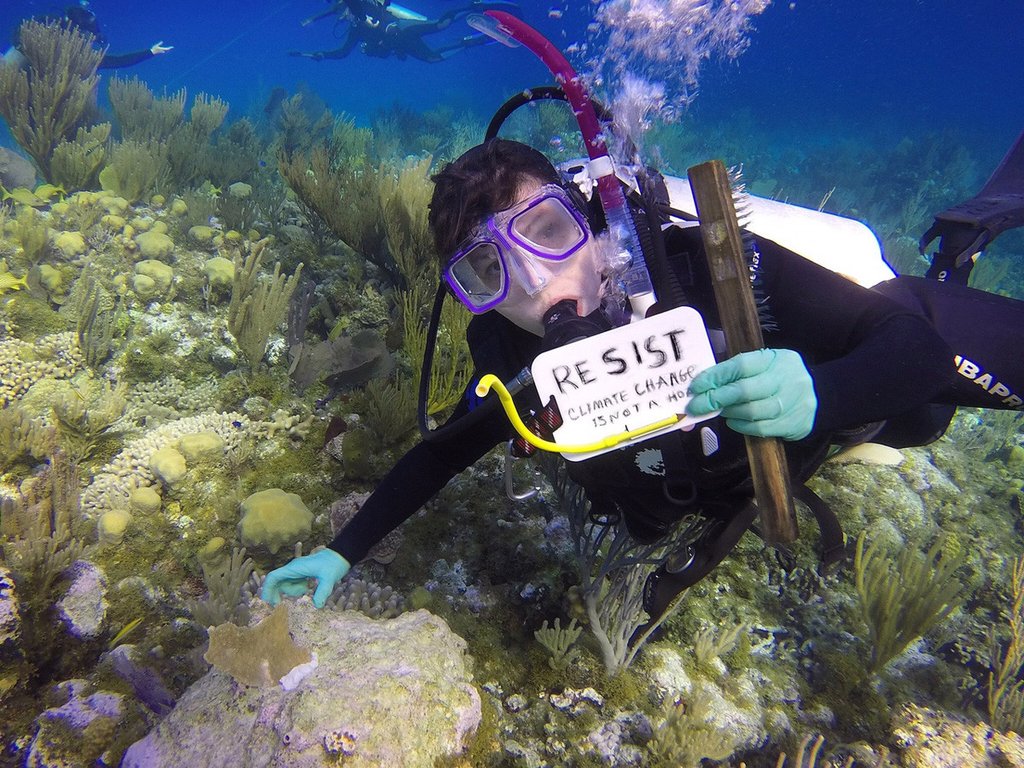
<point x="730" y="276"/>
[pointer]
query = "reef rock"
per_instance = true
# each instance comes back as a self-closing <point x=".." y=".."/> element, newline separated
<point x="15" y="170"/>
<point x="929" y="739"/>
<point x="74" y="732"/>
<point x="84" y="607"/>
<point x="394" y="692"/>
<point x="10" y="615"/>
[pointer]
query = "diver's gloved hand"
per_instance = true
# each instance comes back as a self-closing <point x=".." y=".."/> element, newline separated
<point x="157" y="48"/>
<point x="766" y="393"/>
<point x="326" y="566"/>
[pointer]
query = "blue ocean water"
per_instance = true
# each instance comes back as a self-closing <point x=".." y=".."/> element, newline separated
<point x="813" y="67"/>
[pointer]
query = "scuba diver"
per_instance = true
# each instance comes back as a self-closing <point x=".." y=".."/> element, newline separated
<point x="843" y="362"/>
<point x="382" y="29"/>
<point x="523" y="245"/>
<point x="81" y="17"/>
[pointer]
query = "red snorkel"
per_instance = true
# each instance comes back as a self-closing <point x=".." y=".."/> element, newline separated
<point x="636" y="281"/>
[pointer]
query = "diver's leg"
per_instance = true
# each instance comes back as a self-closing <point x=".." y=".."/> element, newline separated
<point x="337" y="53"/>
<point x="408" y="42"/>
<point x="984" y="331"/>
<point x="335" y="7"/>
<point x="966" y="229"/>
<point x="469" y="41"/>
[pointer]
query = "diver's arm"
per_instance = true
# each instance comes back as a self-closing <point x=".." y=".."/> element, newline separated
<point x="413" y="481"/>
<point x="337" y="53"/>
<point x="335" y="8"/>
<point x="110" y="61"/>
<point x="869" y="356"/>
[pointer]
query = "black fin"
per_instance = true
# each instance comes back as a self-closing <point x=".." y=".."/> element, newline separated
<point x="967" y="228"/>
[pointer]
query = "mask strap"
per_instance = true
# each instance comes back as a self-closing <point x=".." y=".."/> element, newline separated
<point x="485" y="410"/>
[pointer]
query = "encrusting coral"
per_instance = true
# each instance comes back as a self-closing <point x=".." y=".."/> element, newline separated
<point x="259" y="656"/>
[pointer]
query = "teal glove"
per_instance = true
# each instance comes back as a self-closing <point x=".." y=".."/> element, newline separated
<point x="326" y="566"/>
<point x="767" y="393"/>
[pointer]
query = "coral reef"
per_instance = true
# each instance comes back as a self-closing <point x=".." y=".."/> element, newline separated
<point x="373" y="680"/>
<point x="143" y="365"/>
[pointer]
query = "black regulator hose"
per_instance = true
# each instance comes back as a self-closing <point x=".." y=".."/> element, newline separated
<point x="648" y="221"/>
<point x="540" y="93"/>
<point x="474" y="417"/>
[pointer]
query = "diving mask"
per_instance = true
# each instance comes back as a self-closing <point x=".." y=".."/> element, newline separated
<point x="528" y="242"/>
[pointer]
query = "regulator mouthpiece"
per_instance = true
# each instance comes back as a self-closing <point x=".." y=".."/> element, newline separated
<point x="563" y="325"/>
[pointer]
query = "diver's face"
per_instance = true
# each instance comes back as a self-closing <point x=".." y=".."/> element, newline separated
<point x="578" y="279"/>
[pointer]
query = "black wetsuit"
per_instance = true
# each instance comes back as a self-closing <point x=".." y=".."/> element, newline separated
<point x="905" y="353"/>
<point x="111" y="61"/>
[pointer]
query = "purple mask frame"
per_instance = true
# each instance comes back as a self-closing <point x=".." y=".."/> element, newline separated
<point x="499" y="231"/>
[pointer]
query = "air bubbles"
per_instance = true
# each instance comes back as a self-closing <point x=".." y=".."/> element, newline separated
<point x="663" y="43"/>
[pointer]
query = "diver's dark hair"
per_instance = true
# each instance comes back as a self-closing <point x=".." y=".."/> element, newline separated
<point x="485" y="179"/>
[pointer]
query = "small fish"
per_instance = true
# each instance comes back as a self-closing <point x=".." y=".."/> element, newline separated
<point x="555" y="13"/>
<point x="47" y="191"/>
<point x="209" y="190"/>
<point x="22" y="196"/>
<point x="9" y="282"/>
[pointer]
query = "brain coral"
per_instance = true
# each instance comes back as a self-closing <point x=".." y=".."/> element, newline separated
<point x="274" y="518"/>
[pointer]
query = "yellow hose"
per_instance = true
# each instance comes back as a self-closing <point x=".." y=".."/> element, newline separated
<point x="489" y="381"/>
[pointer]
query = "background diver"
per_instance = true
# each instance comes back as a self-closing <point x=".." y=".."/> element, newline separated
<point x="382" y="29"/>
<point x="81" y="17"/>
<point x="843" y="363"/>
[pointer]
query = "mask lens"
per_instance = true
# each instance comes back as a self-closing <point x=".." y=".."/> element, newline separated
<point x="478" y="276"/>
<point x="548" y="228"/>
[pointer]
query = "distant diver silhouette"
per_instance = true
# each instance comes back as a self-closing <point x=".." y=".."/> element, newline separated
<point x="383" y="29"/>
